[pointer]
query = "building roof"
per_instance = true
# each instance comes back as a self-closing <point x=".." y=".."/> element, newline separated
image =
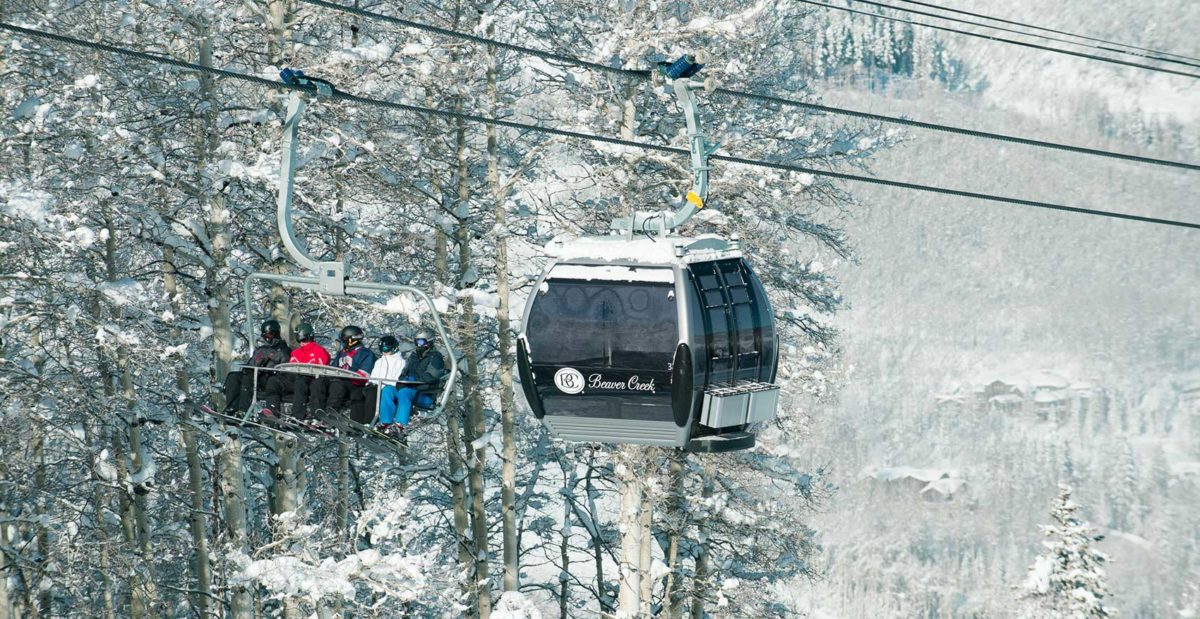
<point x="945" y="487"/>
<point x="1049" y="397"/>
<point x="894" y="473"/>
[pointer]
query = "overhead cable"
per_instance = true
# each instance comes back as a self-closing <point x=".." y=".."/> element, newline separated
<point x="1027" y="34"/>
<point x="1161" y="55"/>
<point x="766" y="98"/>
<point x="366" y="101"/>
<point x="999" y="39"/>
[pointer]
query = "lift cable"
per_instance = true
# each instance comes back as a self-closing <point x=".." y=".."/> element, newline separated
<point x="1028" y="34"/>
<point x="999" y="39"/>
<point x="366" y="101"/>
<point x="765" y="98"/>
<point x="1156" y="54"/>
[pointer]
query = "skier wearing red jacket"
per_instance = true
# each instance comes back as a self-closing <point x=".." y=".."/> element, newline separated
<point x="308" y="352"/>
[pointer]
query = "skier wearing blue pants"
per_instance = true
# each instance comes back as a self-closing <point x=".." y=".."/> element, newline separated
<point x="388" y="369"/>
<point x="424" y="365"/>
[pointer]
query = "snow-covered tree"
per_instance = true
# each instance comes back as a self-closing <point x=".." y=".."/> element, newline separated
<point x="1068" y="579"/>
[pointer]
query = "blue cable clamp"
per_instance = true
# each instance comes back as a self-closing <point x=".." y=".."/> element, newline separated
<point x="296" y="77"/>
<point x="685" y="67"/>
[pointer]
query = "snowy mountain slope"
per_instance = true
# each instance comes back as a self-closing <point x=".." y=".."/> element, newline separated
<point x="948" y="294"/>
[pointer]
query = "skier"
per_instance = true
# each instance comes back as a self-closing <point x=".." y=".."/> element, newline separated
<point x="331" y="392"/>
<point x="298" y="385"/>
<point x="424" y="365"/>
<point x="270" y="352"/>
<point x="388" y="369"/>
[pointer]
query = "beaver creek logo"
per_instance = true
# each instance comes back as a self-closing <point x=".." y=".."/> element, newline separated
<point x="569" y="380"/>
<point x="633" y="383"/>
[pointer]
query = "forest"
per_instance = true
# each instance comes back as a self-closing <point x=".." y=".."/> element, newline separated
<point x="138" y="196"/>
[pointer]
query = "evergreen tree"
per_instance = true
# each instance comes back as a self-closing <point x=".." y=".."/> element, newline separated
<point x="1068" y="580"/>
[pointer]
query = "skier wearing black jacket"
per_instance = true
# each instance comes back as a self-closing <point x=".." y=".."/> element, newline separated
<point x="424" y="365"/>
<point x="271" y="351"/>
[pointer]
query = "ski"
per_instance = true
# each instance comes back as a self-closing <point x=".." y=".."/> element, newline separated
<point x="373" y="436"/>
<point x="235" y="420"/>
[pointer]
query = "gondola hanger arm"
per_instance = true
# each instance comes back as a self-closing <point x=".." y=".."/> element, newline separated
<point x="681" y="74"/>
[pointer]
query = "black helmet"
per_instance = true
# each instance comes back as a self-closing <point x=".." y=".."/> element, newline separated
<point x="388" y="343"/>
<point x="304" y="332"/>
<point x="270" y="329"/>
<point x="351" y="335"/>
<point x="423" y="339"/>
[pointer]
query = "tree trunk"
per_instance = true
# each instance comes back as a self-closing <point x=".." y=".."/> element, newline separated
<point x="474" y="428"/>
<point x="597" y="543"/>
<point x="233" y="512"/>
<point x="46" y="585"/>
<point x="7" y="610"/>
<point x="454" y="448"/>
<point x="508" y="473"/>
<point x="278" y="18"/>
<point x="646" y="550"/>
<point x="199" y="524"/>
<point x="629" y="522"/>
<point x="700" y="582"/>
<point x="564" y="549"/>
<point x="673" y="595"/>
<point x="287" y="480"/>
<point x="343" y="491"/>
<point x="144" y="590"/>
<point x="216" y="226"/>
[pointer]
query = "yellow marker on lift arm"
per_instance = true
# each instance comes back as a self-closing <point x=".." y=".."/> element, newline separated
<point x="695" y="199"/>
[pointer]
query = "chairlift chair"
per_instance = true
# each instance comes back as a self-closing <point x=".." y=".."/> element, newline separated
<point x="330" y="276"/>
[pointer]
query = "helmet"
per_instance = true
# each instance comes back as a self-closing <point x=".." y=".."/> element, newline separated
<point x="304" y="332"/>
<point x="388" y="343"/>
<point x="270" y="329"/>
<point x="423" y="338"/>
<point x="351" y="335"/>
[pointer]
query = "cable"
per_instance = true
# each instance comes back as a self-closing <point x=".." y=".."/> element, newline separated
<point x="769" y="98"/>
<point x="366" y="101"/>
<point x="1001" y="39"/>
<point x="958" y="130"/>
<point x="408" y="23"/>
<point x="1062" y="32"/>
<point x="1028" y="34"/>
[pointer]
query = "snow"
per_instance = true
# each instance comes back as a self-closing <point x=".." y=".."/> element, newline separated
<point x="27" y="108"/>
<point x="1038" y="578"/>
<point x="122" y="292"/>
<point x="82" y="237"/>
<point x="514" y="605"/>
<point x="945" y="487"/>
<point x="640" y="250"/>
<point x="612" y="273"/>
<point x="901" y="472"/>
<point x="87" y="82"/>
<point x="373" y="52"/>
<point x="1050" y="397"/>
<point x="32" y="204"/>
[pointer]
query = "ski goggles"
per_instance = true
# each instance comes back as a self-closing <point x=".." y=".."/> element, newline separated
<point x="421" y="341"/>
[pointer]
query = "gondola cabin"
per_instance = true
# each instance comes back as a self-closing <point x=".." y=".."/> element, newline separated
<point x="666" y="341"/>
